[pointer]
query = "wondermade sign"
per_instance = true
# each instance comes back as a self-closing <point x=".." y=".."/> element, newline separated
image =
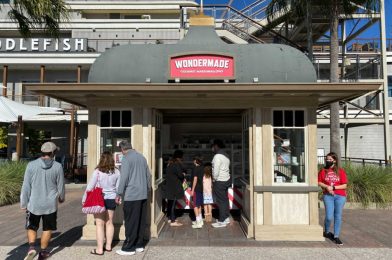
<point x="199" y="67"/>
<point x="43" y="45"/>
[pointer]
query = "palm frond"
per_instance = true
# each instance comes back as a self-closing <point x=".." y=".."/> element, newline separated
<point x="39" y="14"/>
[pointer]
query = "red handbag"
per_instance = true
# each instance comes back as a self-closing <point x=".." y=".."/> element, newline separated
<point x="94" y="203"/>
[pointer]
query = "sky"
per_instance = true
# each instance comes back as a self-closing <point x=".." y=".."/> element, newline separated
<point x="372" y="32"/>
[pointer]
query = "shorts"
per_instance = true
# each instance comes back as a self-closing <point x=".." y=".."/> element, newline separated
<point x="110" y="204"/>
<point x="49" y="222"/>
<point x="197" y="199"/>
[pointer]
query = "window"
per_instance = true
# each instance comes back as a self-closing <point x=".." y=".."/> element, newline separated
<point x="116" y="118"/>
<point x="115" y="127"/>
<point x="390" y="86"/>
<point x="289" y="146"/>
<point x="245" y="146"/>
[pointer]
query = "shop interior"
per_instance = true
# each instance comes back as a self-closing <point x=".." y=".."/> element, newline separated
<point x="193" y="132"/>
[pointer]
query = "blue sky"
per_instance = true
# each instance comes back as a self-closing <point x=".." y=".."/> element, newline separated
<point x="239" y="4"/>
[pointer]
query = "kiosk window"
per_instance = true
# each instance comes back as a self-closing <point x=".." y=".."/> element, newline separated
<point x="289" y="146"/>
<point x="116" y="118"/>
<point x="115" y="127"/>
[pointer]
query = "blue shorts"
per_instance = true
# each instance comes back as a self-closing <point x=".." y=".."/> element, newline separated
<point x="197" y="199"/>
<point x="110" y="204"/>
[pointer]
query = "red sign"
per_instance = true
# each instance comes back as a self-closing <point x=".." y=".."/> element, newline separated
<point x="202" y="67"/>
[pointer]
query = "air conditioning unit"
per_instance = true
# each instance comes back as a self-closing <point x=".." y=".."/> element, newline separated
<point x="146" y="16"/>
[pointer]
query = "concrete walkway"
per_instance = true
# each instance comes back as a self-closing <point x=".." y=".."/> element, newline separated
<point x="367" y="234"/>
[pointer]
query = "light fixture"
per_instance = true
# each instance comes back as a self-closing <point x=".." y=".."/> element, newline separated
<point x="148" y="80"/>
<point x="226" y="80"/>
<point x="177" y="80"/>
<point x="255" y="80"/>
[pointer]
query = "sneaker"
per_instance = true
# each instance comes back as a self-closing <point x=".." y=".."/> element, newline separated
<point x="139" y="250"/>
<point x="31" y="254"/>
<point x="328" y="235"/>
<point x="43" y="255"/>
<point x="338" y="241"/>
<point x="176" y="224"/>
<point x="121" y="252"/>
<point x="227" y="221"/>
<point x="219" y="225"/>
<point x="198" y="225"/>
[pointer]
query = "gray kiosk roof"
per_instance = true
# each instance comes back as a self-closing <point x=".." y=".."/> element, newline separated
<point x="272" y="63"/>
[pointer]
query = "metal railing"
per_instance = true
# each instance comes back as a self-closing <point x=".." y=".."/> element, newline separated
<point x="359" y="161"/>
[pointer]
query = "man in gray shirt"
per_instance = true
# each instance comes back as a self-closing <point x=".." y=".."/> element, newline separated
<point x="43" y="187"/>
<point x="134" y="186"/>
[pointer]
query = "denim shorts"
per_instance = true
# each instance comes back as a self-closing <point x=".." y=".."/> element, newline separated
<point x="110" y="204"/>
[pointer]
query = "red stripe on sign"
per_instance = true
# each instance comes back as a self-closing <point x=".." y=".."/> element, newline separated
<point x="239" y="206"/>
<point x="179" y="205"/>
<point x="237" y="192"/>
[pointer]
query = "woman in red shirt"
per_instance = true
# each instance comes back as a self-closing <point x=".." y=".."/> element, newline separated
<point x="333" y="181"/>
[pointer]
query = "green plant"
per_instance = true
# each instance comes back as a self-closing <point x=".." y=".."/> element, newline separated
<point x="11" y="180"/>
<point x="369" y="184"/>
<point x="35" y="139"/>
<point x="3" y="137"/>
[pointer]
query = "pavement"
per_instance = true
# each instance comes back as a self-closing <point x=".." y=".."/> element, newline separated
<point x="367" y="234"/>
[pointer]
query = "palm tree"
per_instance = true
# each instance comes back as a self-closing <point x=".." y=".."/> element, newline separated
<point x="332" y="9"/>
<point x="38" y="14"/>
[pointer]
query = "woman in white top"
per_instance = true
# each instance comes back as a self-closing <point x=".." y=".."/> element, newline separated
<point x="107" y="176"/>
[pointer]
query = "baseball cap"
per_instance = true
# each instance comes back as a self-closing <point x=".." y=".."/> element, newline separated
<point x="49" y="147"/>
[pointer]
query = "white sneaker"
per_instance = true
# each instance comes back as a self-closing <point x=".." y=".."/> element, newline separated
<point x="198" y="224"/>
<point x="227" y="221"/>
<point x="31" y="254"/>
<point x="121" y="252"/>
<point x="219" y="225"/>
<point x="139" y="250"/>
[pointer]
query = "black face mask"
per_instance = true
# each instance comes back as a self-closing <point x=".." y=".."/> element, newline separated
<point x="328" y="164"/>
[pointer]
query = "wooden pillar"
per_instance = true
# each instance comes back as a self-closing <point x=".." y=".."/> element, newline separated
<point x="71" y="140"/>
<point x="73" y="131"/>
<point x="19" y="130"/>
<point x="5" y="80"/>
<point x="79" y="75"/>
<point x="42" y="80"/>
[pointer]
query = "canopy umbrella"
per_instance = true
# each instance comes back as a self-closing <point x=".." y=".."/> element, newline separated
<point x="11" y="111"/>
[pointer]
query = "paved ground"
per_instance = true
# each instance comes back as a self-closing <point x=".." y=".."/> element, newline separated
<point x="367" y="234"/>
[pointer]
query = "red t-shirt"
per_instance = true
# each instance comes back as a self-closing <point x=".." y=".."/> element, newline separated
<point x="330" y="178"/>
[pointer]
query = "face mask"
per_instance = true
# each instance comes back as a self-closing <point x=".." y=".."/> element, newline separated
<point x="328" y="164"/>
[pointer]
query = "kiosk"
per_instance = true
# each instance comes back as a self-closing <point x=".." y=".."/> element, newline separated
<point x="261" y="99"/>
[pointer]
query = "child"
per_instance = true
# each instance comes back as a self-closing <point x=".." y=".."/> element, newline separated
<point x="197" y="191"/>
<point x="207" y="192"/>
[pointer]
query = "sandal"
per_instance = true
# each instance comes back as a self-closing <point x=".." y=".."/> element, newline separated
<point x="107" y="250"/>
<point x="94" y="252"/>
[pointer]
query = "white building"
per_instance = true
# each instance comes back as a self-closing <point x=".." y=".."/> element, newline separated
<point x="97" y="26"/>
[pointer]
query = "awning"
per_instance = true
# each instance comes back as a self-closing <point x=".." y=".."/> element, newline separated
<point x="85" y="94"/>
<point x="10" y="110"/>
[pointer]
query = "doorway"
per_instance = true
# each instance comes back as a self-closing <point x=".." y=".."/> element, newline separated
<point x="193" y="131"/>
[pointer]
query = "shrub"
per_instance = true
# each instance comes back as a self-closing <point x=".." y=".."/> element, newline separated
<point x="11" y="179"/>
<point x="369" y="184"/>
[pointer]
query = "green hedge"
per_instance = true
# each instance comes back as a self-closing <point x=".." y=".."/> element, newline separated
<point x="369" y="184"/>
<point x="11" y="179"/>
